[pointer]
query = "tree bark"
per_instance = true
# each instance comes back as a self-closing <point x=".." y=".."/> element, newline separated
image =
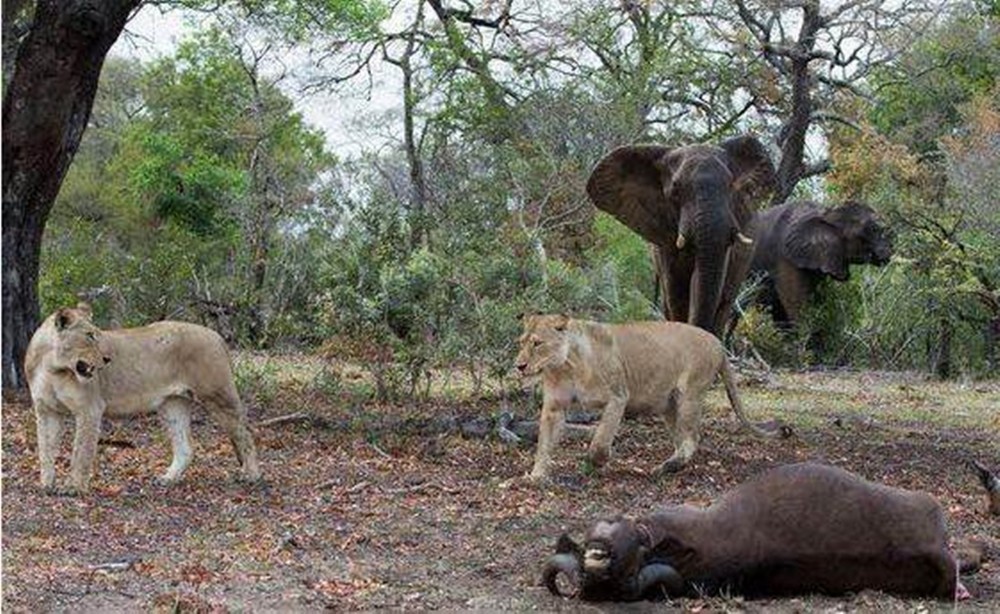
<point x="793" y="134"/>
<point x="941" y="349"/>
<point x="418" y="230"/>
<point x="46" y="107"/>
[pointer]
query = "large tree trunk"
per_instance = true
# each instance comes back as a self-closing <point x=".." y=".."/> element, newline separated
<point x="45" y="109"/>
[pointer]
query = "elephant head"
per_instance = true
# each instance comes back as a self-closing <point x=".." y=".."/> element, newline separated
<point x="690" y="202"/>
<point x="827" y="240"/>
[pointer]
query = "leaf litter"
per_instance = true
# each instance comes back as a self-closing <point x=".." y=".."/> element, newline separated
<point x="365" y="506"/>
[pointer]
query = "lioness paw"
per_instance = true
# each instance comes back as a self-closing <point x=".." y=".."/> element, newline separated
<point x="599" y="457"/>
<point x="67" y="490"/>
<point x="671" y="465"/>
<point x="534" y="478"/>
<point x="249" y="478"/>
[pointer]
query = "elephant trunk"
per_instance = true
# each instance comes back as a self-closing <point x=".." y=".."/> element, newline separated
<point x="714" y="231"/>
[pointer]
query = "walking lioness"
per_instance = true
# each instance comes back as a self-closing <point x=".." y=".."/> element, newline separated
<point x="661" y="367"/>
<point x="76" y="369"/>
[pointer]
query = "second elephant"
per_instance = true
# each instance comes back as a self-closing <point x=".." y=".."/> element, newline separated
<point x="798" y="243"/>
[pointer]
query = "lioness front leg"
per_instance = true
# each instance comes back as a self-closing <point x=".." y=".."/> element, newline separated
<point x="176" y="415"/>
<point x="687" y="423"/>
<point x="550" y="428"/>
<point x="611" y="418"/>
<point x="49" y="430"/>
<point x="88" y="431"/>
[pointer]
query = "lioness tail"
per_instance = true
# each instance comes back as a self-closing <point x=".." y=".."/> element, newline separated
<point x="734" y="399"/>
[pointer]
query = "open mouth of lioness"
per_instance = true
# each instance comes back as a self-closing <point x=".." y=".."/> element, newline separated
<point x="84" y="369"/>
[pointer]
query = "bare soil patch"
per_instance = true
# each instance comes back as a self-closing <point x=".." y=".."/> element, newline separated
<point x="369" y="506"/>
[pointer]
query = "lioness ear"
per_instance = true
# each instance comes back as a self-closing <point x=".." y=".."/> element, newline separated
<point x="64" y="317"/>
<point x="85" y="310"/>
<point x="561" y="324"/>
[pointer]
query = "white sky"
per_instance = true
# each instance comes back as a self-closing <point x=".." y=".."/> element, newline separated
<point x="350" y="119"/>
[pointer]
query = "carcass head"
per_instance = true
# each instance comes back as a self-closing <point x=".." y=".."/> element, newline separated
<point x="610" y="565"/>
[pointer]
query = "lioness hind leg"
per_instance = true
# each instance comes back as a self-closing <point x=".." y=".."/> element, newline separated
<point x="229" y="411"/>
<point x="49" y="431"/>
<point x="687" y="422"/>
<point x="176" y="415"/>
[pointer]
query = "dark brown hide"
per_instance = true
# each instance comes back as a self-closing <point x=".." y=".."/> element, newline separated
<point x="797" y="243"/>
<point x="992" y="485"/>
<point x="797" y="529"/>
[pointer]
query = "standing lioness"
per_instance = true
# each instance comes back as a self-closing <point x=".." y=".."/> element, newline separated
<point x="662" y="367"/>
<point x="75" y="368"/>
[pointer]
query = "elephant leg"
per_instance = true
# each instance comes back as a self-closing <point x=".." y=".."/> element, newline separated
<point x="675" y="270"/>
<point x="793" y="289"/>
<point x="740" y="257"/>
<point x="703" y="286"/>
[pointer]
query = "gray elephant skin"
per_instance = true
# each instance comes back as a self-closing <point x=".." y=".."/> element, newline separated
<point x="798" y="243"/>
<point x="691" y="203"/>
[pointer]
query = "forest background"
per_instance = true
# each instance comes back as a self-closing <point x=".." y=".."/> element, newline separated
<point x="199" y="192"/>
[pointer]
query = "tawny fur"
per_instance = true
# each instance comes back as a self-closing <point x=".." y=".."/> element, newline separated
<point x="75" y="369"/>
<point x="659" y="367"/>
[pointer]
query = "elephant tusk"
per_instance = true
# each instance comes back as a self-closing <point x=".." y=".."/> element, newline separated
<point x="566" y="565"/>
<point x="743" y="238"/>
<point x="680" y="241"/>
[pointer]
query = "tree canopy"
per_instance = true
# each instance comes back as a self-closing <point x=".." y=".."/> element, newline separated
<point x="199" y="190"/>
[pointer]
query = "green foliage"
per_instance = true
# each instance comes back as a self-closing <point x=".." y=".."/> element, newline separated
<point x="257" y="379"/>
<point x="200" y="168"/>
<point x="631" y="268"/>
<point x="920" y="96"/>
<point x="200" y="192"/>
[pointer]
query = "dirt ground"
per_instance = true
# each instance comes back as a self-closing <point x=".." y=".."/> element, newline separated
<point x="367" y="507"/>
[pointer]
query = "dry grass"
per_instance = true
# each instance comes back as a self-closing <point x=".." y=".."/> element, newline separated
<point x="368" y="507"/>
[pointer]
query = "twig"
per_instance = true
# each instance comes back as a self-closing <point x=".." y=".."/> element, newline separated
<point x="381" y="452"/>
<point x="116" y="443"/>
<point x="420" y="487"/>
<point x="295" y="417"/>
<point x="358" y="487"/>
<point x="113" y="566"/>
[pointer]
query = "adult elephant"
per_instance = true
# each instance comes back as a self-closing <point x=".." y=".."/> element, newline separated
<point x="799" y="243"/>
<point x="690" y="202"/>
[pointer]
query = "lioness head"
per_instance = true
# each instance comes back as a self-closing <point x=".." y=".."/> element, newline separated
<point x="78" y="342"/>
<point x="544" y="343"/>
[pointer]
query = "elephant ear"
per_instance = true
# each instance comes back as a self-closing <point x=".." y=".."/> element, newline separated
<point x="628" y="183"/>
<point x="753" y="171"/>
<point x="814" y="244"/>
